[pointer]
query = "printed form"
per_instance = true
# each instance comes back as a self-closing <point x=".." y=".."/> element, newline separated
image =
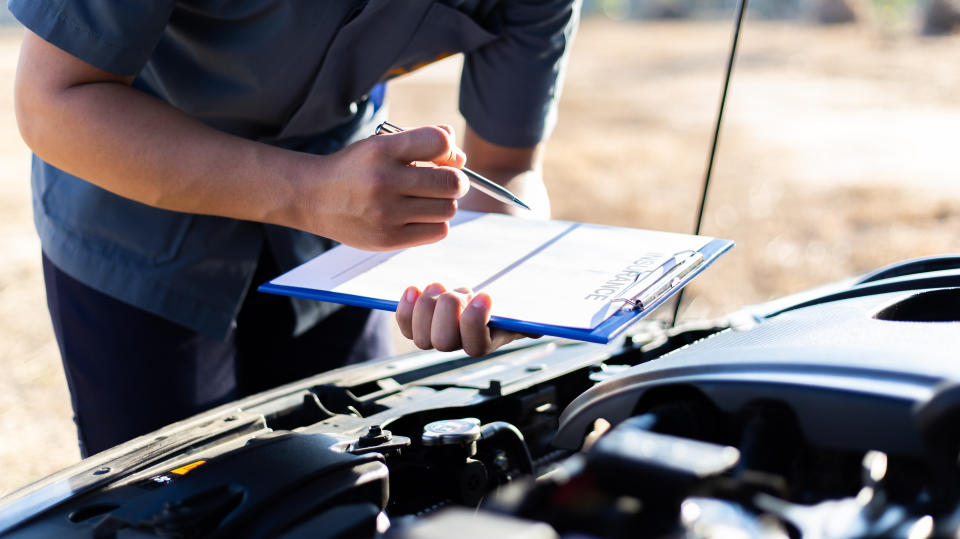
<point x="549" y="272"/>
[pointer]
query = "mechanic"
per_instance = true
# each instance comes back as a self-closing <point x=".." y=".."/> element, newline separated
<point x="186" y="151"/>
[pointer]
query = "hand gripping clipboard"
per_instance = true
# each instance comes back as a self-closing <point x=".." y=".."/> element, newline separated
<point x="574" y="280"/>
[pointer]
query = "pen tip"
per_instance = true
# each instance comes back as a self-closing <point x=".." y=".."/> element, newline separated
<point x="521" y="204"/>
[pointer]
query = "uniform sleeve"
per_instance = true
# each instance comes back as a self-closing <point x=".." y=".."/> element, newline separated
<point x="115" y="35"/>
<point x="510" y="87"/>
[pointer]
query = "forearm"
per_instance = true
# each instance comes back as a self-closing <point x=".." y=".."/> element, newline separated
<point x="141" y="148"/>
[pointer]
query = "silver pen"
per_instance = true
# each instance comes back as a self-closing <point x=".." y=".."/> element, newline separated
<point x="482" y="184"/>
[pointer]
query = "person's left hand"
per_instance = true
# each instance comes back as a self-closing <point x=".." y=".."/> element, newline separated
<point x="449" y="320"/>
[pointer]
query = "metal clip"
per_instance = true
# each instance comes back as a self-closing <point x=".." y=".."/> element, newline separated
<point x="658" y="282"/>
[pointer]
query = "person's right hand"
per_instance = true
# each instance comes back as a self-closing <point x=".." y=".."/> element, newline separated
<point x="389" y="191"/>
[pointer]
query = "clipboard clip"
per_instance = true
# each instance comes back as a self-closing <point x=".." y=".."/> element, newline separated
<point x="648" y="288"/>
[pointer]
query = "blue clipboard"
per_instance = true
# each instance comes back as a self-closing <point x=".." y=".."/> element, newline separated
<point x="639" y="299"/>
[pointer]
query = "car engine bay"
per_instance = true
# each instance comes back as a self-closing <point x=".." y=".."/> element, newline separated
<point x="832" y="413"/>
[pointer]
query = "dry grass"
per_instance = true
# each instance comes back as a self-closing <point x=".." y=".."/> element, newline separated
<point x="839" y="154"/>
<point x="36" y="431"/>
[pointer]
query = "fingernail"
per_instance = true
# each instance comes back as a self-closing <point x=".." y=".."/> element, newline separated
<point x="480" y="302"/>
<point x="460" y="156"/>
<point x="411" y="294"/>
<point x="434" y="288"/>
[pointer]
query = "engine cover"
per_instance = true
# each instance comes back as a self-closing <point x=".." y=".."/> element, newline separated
<point x="852" y="370"/>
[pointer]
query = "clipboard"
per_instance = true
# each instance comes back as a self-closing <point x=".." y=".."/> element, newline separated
<point x="514" y="259"/>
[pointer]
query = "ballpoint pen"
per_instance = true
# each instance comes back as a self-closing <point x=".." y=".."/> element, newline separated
<point x="476" y="180"/>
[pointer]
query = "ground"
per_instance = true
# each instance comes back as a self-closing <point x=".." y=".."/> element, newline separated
<point x="839" y="154"/>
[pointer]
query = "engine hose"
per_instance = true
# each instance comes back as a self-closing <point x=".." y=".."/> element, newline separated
<point x="512" y="433"/>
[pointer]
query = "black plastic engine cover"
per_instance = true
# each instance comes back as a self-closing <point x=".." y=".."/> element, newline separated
<point x="852" y="370"/>
<point x="269" y="487"/>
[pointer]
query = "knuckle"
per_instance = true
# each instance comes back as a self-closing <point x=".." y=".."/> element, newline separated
<point x="404" y="144"/>
<point x="380" y="180"/>
<point x="447" y="181"/>
<point x="449" y="210"/>
<point x="439" y="139"/>
<point x="439" y="232"/>
<point x="390" y="147"/>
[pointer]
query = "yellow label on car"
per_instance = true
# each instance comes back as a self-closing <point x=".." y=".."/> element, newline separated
<point x="184" y="470"/>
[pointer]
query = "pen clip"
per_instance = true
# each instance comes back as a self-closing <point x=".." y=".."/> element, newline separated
<point x="658" y="282"/>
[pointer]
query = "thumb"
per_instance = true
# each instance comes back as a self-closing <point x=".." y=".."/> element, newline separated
<point x="434" y="144"/>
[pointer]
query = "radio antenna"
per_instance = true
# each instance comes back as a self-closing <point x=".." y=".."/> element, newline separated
<point x="738" y="22"/>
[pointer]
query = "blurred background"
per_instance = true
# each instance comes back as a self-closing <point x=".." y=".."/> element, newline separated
<point x="840" y="153"/>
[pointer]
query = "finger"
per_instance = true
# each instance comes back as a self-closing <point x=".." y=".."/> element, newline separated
<point x="405" y="311"/>
<point x="431" y="181"/>
<point x="430" y="143"/>
<point x="423" y="315"/>
<point x="476" y="336"/>
<point x="456" y="157"/>
<point x="460" y="153"/>
<point x="474" y="333"/>
<point x="427" y="210"/>
<point x="500" y="337"/>
<point x="403" y="236"/>
<point x="445" y="331"/>
<point x="413" y="234"/>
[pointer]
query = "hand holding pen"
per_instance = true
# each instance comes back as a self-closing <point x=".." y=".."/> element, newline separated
<point x="479" y="182"/>
<point x="368" y="196"/>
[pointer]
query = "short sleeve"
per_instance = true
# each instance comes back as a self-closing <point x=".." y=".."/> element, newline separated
<point x="115" y="35"/>
<point x="510" y="87"/>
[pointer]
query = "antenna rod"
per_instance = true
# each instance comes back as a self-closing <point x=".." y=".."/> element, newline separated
<point x="741" y="9"/>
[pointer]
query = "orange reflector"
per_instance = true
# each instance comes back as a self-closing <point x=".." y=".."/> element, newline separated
<point x="184" y="470"/>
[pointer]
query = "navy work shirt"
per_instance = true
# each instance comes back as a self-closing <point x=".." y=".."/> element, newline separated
<point x="302" y="74"/>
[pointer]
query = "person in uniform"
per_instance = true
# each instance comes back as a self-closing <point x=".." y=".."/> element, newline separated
<point x="186" y="151"/>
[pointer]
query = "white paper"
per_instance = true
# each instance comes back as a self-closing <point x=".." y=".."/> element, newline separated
<point x="547" y="272"/>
